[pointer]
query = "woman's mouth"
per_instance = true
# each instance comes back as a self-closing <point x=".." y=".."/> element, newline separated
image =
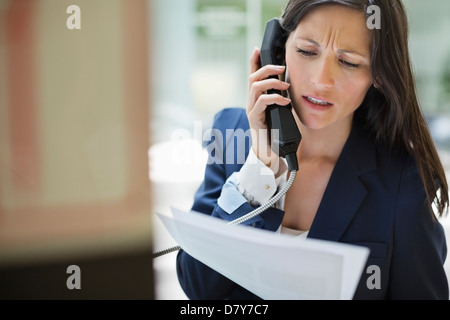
<point x="317" y="103"/>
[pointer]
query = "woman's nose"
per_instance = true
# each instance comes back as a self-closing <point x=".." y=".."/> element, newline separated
<point x="323" y="75"/>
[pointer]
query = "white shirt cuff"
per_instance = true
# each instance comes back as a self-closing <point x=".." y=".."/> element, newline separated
<point x="256" y="182"/>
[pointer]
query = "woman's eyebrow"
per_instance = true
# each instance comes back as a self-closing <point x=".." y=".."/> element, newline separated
<point x="353" y="52"/>
<point x="315" y="43"/>
<point x="310" y="40"/>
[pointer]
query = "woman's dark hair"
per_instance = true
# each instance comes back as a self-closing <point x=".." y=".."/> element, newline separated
<point x="390" y="111"/>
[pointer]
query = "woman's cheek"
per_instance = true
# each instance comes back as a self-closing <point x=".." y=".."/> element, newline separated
<point x="359" y="90"/>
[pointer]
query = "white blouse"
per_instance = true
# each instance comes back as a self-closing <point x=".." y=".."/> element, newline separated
<point x="293" y="232"/>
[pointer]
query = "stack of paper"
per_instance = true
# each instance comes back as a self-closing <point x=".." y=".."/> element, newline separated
<point x="271" y="265"/>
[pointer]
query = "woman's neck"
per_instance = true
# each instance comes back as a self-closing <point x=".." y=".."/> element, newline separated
<point x="326" y="143"/>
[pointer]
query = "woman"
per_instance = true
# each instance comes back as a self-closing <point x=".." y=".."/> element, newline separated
<point x="368" y="173"/>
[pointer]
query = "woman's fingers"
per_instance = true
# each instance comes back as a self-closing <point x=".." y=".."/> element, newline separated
<point x="257" y="114"/>
<point x="259" y="72"/>
<point x="255" y="61"/>
<point x="263" y="80"/>
<point x="266" y="72"/>
<point x="265" y="100"/>
<point x="261" y="87"/>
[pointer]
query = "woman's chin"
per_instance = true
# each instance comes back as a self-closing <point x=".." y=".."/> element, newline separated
<point x="314" y="123"/>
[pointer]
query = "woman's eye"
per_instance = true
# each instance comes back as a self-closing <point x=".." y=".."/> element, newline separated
<point x="306" y="53"/>
<point x="345" y="63"/>
<point x="349" y="64"/>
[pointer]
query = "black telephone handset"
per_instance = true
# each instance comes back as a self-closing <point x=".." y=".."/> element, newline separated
<point x="280" y="117"/>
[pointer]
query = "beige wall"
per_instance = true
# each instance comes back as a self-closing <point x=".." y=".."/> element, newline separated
<point x="74" y="134"/>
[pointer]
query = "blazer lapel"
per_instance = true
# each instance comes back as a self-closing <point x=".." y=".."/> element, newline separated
<point x="345" y="192"/>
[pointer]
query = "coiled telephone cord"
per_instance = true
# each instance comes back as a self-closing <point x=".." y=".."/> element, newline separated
<point x="248" y="216"/>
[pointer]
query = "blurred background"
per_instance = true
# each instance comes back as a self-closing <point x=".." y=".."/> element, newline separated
<point x="101" y="127"/>
<point x="74" y="140"/>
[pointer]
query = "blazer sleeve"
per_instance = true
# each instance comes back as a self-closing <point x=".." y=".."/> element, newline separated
<point x="197" y="280"/>
<point x="419" y="249"/>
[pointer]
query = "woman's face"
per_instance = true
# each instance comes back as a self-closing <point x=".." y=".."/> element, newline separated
<point x="328" y="64"/>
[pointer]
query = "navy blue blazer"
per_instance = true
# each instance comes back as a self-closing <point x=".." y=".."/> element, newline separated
<point x="374" y="198"/>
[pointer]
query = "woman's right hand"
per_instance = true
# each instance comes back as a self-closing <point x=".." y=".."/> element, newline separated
<point x="258" y="100"/>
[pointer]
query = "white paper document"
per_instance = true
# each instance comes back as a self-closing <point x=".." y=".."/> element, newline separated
<point x="273" y="266"/>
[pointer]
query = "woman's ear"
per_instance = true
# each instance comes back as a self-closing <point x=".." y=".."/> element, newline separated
<point x="377" y="83"/>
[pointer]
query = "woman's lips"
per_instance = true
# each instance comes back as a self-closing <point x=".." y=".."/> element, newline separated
<point x="317" y="103"/>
